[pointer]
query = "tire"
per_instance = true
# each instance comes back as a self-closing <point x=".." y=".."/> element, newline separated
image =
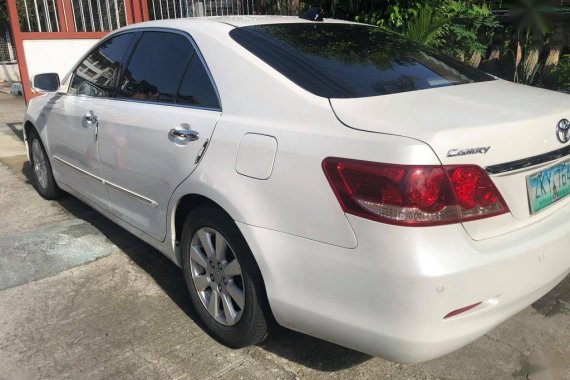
<point x="207" y="275"/>
<point x="41" y="168"/>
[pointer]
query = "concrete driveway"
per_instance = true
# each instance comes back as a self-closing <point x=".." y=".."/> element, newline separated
<point x="81" y="298"/>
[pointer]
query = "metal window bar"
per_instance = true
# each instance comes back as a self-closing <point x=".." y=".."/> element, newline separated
<point x="7" y="51"/>
<point x="55" y="15"/>
<point x="98" y="15"/>
<point x="108" y="15"/>
<point x="27" y="15"/>
<point x="117" y="16"/>
<point x="38" y="15"/>
<point x="166" y="9"/>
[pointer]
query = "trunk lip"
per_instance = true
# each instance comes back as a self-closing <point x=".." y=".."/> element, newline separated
<point x="529" y="162"/>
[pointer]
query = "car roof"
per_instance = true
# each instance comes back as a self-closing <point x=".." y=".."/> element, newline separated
<point x="239" y="21"/>
<point x="214" y="23"/>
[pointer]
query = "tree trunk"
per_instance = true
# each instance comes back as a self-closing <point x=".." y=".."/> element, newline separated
<point x="557" y="42"/>
<point x="475" y="60"/>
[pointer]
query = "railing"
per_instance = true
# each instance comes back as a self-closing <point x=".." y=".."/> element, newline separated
<point x="38" y="16"/>
<point x="86" y="15"/>
<point x="108" y="15"/>
<point x="166" y="9"/>
<point x="98" y="15"/>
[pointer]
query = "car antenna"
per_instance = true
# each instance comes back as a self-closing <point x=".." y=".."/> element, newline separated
<point x="313" y="14"/>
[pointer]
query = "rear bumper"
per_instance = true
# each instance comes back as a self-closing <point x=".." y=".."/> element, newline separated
<point x="388" y="297"/>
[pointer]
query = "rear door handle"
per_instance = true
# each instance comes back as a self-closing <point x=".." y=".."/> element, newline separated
<point x="91" y="118"/>
<point x="184" y="134"/>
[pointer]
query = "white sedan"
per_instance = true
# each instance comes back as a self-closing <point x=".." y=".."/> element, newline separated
<point x="324" y="175"/>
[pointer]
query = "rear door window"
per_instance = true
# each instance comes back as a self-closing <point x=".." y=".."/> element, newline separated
<point x="156" y="67"/>
<point x="351" y="60"/>
<point x="197" y="89"/>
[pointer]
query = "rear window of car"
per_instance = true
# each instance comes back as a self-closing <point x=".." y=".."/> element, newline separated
<point x="352" y="61"/>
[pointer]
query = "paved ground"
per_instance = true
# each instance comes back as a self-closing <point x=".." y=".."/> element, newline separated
<point x="82" y="298"/>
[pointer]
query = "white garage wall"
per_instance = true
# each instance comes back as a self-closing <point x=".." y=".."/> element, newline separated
<point x="54" y="56"/>
<point x="9" y="72"/>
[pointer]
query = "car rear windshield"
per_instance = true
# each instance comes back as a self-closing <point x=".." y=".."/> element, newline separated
<point x="351" y="60"/>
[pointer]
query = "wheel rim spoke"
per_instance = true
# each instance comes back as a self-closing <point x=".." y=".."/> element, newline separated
<point x="232" y="269"/>
<point x="214" y="304"/>
<point x="198" y="257"/>
<point x="221" y="246"/>
<point x="237" y="294"/>
<point x="229" y="311"/>
<point x="201" y="283"/>
<point x="206" y="241"/>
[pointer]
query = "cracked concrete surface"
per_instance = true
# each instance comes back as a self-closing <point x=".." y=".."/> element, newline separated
<point x="82" y="298"/>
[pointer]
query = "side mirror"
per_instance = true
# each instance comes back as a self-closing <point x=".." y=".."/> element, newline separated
<point x="48" y="82"/>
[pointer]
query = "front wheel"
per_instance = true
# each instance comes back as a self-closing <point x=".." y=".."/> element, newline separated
<point x="223" y="279"/>
<point x="41" y="168"/>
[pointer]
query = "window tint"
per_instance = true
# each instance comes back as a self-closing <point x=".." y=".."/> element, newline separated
<point x="196" y="88"/>
<point x="96" y="75"/>
<point x="156" y="67"/>
<point x="351" y="61"/>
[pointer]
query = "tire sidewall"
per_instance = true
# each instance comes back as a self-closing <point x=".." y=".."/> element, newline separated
<point x="51" y="191"/>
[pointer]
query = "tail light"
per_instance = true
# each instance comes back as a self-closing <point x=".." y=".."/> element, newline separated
<point x="413" y="195"/>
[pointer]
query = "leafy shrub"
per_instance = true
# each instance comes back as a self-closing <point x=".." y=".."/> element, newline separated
<point x="458" y="27"/>
<point x="562" y="72"/>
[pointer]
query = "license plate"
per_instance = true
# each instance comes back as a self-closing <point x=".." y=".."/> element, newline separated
<point x="548" y="187"/>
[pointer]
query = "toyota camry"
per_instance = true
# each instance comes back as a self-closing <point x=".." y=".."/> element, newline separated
<point x="323" y="175"/>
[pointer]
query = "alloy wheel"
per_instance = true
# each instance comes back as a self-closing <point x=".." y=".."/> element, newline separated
<point x="217" y="276"/>
<point x="40" y="165"/>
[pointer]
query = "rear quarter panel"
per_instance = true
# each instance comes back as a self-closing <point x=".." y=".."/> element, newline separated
<point x="296" y="198"/>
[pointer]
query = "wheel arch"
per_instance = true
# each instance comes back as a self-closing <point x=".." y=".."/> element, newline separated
<point x="184" y="206"/>
<point x="28" y="125"/>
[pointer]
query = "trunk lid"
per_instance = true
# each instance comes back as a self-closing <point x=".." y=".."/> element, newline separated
<point x="486" y="124"/>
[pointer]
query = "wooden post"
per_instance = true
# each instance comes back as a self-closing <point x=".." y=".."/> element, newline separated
<point x="137" y="11"/>
<point x="19" y="45"/>
<point x="129" y="11"/>
<point x="145" y="15"/>
<point x="69" y="20"/>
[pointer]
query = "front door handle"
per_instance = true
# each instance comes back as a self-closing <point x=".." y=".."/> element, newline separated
<point x="184" y="134"/>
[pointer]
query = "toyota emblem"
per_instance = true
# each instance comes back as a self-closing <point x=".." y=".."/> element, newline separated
<point x="563" y="131"/>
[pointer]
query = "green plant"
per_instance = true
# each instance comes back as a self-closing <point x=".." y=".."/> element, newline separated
<point x="427" y="27"/>
<point x="4" y="16"/>
<point x="472" y="28"/>
<point x="394" y="15"/>
<point x="459" y="27"/>
<point x="562" y="72"/>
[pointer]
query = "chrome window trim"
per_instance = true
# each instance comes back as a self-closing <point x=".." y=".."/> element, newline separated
<point x="92" y="176"/>
<point x="527" y="163"/>
<point x="165" y="104"/>
<point x="128" y="58"/>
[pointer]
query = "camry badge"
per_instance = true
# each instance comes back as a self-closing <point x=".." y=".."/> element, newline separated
<point x="563" y="131"/>
<point x="467" y="152"/>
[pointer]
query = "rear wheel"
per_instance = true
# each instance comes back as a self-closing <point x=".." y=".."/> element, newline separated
<point x="223" y="279"/>
<point x="41" y="168"/>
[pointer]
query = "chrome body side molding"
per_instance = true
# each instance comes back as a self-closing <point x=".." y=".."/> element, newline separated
<point x="132" y="194"/>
